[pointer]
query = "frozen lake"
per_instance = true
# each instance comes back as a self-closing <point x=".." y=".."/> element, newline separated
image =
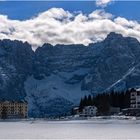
<point x="84" y="129"/>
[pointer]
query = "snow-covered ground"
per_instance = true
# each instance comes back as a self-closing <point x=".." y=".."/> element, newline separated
<point x="102" y="129"/>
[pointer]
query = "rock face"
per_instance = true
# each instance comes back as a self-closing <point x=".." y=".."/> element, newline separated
<point x="117" y="57"/>
<point x="58" y="76"/>
<point x="16" y="61"/>
<point x="54" y="78"/>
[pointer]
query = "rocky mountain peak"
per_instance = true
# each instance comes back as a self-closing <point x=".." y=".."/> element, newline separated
<point x="56" y="76"/>
<point x="113" y="35"/>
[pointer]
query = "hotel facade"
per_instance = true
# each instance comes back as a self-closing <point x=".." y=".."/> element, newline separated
<point x="13" y="109"/>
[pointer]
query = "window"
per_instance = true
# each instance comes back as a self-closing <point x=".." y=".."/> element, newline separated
<point x="138" y="93"/>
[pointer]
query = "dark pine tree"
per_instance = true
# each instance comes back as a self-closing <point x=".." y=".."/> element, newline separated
<point x="81" y="106"/>
<point x="89" y="102"/>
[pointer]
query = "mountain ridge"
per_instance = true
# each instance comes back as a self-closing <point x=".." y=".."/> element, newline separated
<point x="54" y="78"/>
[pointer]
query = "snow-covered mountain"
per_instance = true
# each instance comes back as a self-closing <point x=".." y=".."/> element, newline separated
<point x="16" y="61"/>
<point x="54" y="78"/>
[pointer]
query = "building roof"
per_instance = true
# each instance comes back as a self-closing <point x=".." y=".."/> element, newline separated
<point x="76" y="108"/>
<point x="13" y="101"/>
<point x="88" y="107"/>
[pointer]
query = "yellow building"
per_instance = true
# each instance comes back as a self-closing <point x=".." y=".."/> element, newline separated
<point x="13" y="109"/>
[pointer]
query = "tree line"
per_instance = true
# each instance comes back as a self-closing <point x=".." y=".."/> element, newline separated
<point x="106" y="100"/>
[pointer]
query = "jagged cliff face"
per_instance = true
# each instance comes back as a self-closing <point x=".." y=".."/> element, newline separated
<point x="54" y="78"/>
<point x="15" y="65"/>
<point x="61" y="70"/>
<point x="117" y="57"/>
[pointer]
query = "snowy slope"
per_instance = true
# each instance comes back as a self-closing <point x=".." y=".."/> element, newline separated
<point x="130" y="80"/>
<point x="48" y="90"/>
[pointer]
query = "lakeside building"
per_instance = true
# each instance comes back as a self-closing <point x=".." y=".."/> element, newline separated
<point x="135" y="99"/>
<point x="13" y="109"/>
<point x="89" y="111"/>
<point x="76" y="111"/>
<point x="134" y="109"/>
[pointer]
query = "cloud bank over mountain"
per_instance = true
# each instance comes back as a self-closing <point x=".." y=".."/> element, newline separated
<point x="57" y="26"/>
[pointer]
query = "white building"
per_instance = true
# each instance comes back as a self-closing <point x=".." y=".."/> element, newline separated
<point x="135" y="98"/>
<point x="89" y="111"/>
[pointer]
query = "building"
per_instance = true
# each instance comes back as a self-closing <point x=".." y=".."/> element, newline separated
<point x="134" y="109"/>
<point x="135" y="99"/>
<point x="131" y="112"/>
<point x="89" y="111"/>
<point x="75" y="111"/>
<point x="114" y="110"/>
<point x="13" y="109"/>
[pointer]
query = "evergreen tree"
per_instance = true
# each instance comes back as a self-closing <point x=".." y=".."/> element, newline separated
<point x="127" y="99"/>
<point x="85" y="101"/>
<point x="81" y="105"/>
<point x="105" y="100"/>
<point x="89" y="100"/>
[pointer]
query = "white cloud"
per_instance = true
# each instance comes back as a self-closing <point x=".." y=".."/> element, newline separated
<point x="102" y="3"/>
<point x="124" y="22"/>
<point x="100" y="14"/>
<point x="57" y="26"/>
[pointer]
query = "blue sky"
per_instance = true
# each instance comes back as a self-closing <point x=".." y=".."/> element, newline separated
<point x="26" y="9"/>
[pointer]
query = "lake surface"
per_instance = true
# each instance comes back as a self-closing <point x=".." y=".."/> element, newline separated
<point x="78" y="129"/>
